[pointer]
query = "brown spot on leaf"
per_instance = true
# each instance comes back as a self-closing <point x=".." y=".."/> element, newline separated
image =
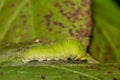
<point x="43" y="77"/>
<point x="69" y="3"/>
<point x="48" y="17"/>
<point x="114" y="79"/>
<point x="22" y="16"/>
<point x="118" y="67"/>
<point x="48" y="23"/>
<point x="83" y="33"/>
<point x="81" y="77"/>
<point x="64" y="14"/>
<point x="76" y="12"/>
<point x="89" y="24"/>
<point x="71" y="32"/>
<point x="27" y="4"/>
<point x="50" y="29"/>
<point x="87" y="33"/>
<point x="85" y="2"/>
<point x="61" y="11"/>
<point x="78" y="37"/>
<point x="72" y="4"/>
<point x="59" y="24"/>
<point x="68" y="17"/>
<point x="88" y="11"/>
<point x="57" y="5"/>
<point x="73" y="16"/>
<point x="109" y="72"/>
<point x="12" y="5"/>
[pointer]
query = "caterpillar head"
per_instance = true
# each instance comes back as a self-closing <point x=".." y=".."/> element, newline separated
<point x="77" y="48"/>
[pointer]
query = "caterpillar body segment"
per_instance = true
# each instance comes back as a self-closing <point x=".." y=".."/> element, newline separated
<point x="61" y="50"/>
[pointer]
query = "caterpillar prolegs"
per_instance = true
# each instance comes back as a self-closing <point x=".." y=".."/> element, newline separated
<point x="61" y="50"/>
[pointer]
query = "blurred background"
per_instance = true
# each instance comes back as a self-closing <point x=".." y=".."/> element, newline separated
<point x="105" y="41"/>
<point x="117" y="2"/>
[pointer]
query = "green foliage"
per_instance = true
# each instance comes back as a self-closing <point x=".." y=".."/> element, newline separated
<point x="61" y="72"/>
<point x="45" y="20"/>
<point x="22" y="21"/>
<point x="105" y="38"/>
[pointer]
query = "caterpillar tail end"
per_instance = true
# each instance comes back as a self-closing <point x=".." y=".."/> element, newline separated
<point x="91" y="60"/>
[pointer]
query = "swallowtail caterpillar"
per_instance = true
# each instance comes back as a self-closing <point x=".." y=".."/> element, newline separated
<point x="61" y="50"/>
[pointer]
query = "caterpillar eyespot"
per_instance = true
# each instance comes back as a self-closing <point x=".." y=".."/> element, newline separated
<point x="61" y="50"/>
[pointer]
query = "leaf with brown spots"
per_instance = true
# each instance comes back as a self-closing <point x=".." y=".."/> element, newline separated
<point x="26" y="20"/>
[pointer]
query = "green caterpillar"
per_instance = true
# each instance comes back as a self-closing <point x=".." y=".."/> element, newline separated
<point x="61" y="50"/>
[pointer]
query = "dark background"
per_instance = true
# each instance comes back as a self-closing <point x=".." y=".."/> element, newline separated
<point x="117" y="2"/>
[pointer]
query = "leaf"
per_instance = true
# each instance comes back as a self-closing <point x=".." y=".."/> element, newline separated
<point x="45" y="20"/>
<point x="105" y="38"/>
<point x="24" y="18"/>
<point x="61" y="72"/>
<point x="24" y="21"/>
